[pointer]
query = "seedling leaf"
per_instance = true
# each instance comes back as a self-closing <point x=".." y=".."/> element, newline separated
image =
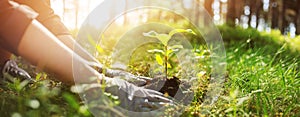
<point x="158" y="59"/>
<point x="164" y="38"/>
<point x="173" y="32"/>
<point x="174" y="47"/>
<point x="169" y="51"/>
<point x="156" y="51"/>
<point x="152" y="34"/>
<point x="169" y="65"/>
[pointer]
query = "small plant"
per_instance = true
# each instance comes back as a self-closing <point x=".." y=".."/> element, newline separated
<point x="167" y="50"/>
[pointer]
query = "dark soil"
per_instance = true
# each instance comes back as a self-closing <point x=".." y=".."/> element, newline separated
<point x="173" y="87"/>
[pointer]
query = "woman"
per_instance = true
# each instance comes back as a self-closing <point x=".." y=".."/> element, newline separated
<point x="48" y="19"/>
<point x="45" y="42"/>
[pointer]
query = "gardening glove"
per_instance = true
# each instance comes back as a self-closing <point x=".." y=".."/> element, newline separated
<point x="137" y="80"/>
<point x="135" y="98"/>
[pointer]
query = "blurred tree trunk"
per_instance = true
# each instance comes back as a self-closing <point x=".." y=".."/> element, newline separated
<point x="239" y="8"/>
<point x="258" y="10"/>
<point x="265" y="15"/>
<point x="269" y="14"/>
<point x="256" y="7"/>
<point x="208" y="7"/>
<point x="230" y="18"/>
<point x="298" y="19"/>
<point x="275" y="14"/>
<point x="284" y="17"/>
<point x="197" y="14"/>
<point x="252" y="5"/>
<point x="281" y="21"/>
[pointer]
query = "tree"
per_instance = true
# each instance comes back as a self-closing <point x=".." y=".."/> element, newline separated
<point x="235" y="9"/>
<point x="239" y="8"/>
<point x="208" y="7"/>
<point x="230" y="18"/>
<point x="283" y="20"/>
<point x="197" y="14"/>
<point x="255" y="10"/>
<point x="275" y="14"/>
<point x="298" y="19"/>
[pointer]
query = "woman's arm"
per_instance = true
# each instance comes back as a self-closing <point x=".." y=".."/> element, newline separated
<point x="69" y="41"/>
<point x="43" y="49"/>
<point x="53" y="23"/>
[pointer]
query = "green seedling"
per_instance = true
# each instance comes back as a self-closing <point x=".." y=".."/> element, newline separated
<point x="167" y="50"/>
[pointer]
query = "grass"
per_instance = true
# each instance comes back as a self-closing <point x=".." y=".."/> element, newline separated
<point x="260" y="83"/>
<point x="45" y="98"/>
<point x="263" y="80"/>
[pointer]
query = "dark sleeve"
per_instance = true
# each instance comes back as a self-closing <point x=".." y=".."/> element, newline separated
<point x="14" y="20"/>
<point x="46" y="16"/>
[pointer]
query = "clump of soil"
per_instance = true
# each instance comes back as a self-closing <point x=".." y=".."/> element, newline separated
<point x="173" y="87"/>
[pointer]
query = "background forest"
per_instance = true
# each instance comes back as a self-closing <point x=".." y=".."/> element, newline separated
<point x="262" y="43"/>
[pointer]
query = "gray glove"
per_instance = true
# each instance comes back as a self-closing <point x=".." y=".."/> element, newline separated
<point x="135" y="98"/>
<point x="125" y="86"/>
<point x="137" y="80"/>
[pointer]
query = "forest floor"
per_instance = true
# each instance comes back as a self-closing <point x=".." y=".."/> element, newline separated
<point x="263" y="80"/>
